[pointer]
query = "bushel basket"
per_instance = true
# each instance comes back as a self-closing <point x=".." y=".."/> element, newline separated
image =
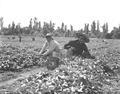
<point x="52" y="63"/>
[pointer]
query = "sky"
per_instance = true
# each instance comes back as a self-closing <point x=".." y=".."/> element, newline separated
<point x="71" y="12"/>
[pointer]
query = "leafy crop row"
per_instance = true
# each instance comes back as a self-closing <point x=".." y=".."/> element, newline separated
<point x="75" y="76"/>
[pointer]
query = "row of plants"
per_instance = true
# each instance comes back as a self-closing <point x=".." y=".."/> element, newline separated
<point x="16" y="58"/>
<point x="72" y="78"/>
<point x="75" y="76"/>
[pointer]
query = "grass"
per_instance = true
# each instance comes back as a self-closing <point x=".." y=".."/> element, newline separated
<point x="27" y="41"/>
<point x="95" y="45"/>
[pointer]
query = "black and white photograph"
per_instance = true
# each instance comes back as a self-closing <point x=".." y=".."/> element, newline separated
<point x="59" y="47"/>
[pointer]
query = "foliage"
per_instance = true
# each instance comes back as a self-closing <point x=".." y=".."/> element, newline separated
<point x="108" y="36"/>
<point x="75" y="76"/>
<point x="35" y="28"/>
<point x="1" y="23"/>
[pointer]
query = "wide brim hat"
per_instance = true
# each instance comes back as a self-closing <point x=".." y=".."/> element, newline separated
<point x="48" y="35"/>
<point x="84" y="38"/>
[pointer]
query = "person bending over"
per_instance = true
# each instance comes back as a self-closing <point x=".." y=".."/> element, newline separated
<point x="51" y="47"/>
<point x="78" y="47"/>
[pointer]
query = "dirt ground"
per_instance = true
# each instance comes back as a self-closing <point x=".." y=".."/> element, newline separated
<point x="9" y="77"/>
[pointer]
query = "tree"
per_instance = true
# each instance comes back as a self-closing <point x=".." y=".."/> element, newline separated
<point x="9" y="26"/>
<point x="98" y="34"/>
<point x="48" y="27"/>
<point x="1" y="23"/>
<point x="71" y="31"/>
<point x="105" y="29"/>
<point x="58" y="31"/>
<point x="30" y="24"/>
<point x="93" y="27"/>
<point x="108" y="36"/>
<point x="71" y="28"/>
<point x="13" y="28"/>
<point x="115" y="33"/>
<point x="18" y="29"/>
<point x="98" y="26"/>
<point x="62" y="28"/>
<point x="51" y="26"/>
<point x="65" y="28"/>
<point x="39" y="26"/>
<point x="36" y="24"/>
<point x="86" y="28"/>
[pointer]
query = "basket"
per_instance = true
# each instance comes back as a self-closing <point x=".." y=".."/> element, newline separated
<point x="52" y="63"/>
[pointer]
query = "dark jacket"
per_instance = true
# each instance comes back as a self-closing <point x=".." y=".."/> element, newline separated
<point x="79" y="49"/>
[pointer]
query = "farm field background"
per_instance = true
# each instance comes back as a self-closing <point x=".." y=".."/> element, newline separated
<point x="27" y="41"/>
<point x="108" y="51"/>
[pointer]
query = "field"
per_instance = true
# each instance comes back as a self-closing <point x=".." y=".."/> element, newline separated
<point x="27" y="75"/>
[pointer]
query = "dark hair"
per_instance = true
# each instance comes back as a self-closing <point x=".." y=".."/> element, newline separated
<point x="83" y="37"/>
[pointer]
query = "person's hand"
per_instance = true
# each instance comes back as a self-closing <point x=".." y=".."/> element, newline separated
<point x="72" y="48"/>
<point x="41" y="55"/>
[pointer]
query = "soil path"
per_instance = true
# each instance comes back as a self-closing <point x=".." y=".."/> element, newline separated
<point x="23" y="74"/>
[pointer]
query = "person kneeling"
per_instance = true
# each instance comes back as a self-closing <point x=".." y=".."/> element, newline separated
<point x="52" y="50"/>
<point x="78" y="47"/>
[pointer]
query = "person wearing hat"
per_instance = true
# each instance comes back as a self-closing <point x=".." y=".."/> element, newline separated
<point x="51" y="47"/>
<point x="78" y="47"/>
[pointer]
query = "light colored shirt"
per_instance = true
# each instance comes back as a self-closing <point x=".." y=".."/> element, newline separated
<point x="51" y="47"/>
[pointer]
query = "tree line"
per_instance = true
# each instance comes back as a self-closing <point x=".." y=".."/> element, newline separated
<point x="93" y="30"/>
